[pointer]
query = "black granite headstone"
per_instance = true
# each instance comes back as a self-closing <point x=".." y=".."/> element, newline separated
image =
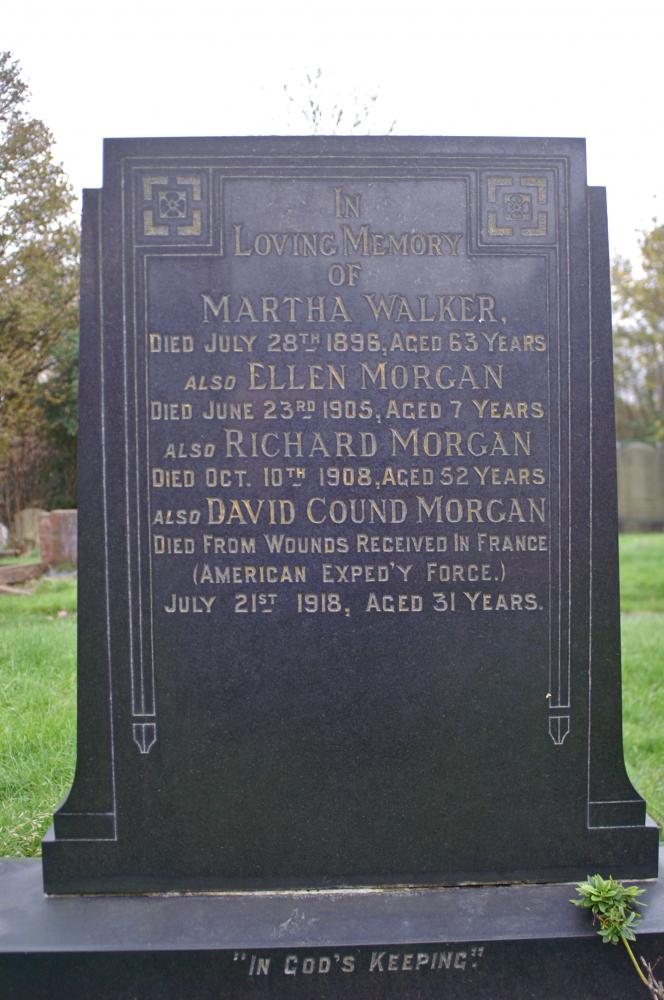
<point x="348" y="567"/>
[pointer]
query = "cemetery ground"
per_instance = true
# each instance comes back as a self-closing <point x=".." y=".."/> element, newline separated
<point x="38" y="673"/>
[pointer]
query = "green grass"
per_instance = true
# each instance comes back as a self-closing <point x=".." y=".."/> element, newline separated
<point x="27" y="557"/>
<point x="643" y="706"/>
<point x="37" y="706"/>
<point x="642" y="604"/>
<point x="37" y="693"/>
<point x="642" y="572"/>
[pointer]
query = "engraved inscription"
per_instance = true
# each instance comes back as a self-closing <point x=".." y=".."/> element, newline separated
<point x="352" y="421"/>
<point x="374" y="963"/>
<point x="331" y="438"/>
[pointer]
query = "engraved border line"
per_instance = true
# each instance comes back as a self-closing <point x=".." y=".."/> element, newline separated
<point x="258" y="174"/>
<point x="104" y="486"/>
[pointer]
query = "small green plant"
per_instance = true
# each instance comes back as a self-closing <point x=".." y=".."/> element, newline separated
<point x="612" y="906"/>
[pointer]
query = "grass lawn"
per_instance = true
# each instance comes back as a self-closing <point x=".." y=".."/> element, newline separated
<point x="37" y="705"/>
<point x="27" y="557"/>
<point x="37" y="693"/>
<point x="642" y="604"/>
<point x="642" y="573"/>
<point x="643" y="706"/>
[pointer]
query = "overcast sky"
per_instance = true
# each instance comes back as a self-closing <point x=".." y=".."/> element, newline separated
<point x="479" y="67"/>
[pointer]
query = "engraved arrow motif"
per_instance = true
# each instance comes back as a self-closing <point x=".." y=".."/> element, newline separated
<point x="145" y="735"/>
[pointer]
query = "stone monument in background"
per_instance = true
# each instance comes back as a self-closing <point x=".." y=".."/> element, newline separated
<point x="348" y="573"/>
<point x="58" y="538"/>
<point x="25" y="528"/>
<point x="640" y="486"/>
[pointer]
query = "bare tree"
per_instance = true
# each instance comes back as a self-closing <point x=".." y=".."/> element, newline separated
<point x="332" y="117"/>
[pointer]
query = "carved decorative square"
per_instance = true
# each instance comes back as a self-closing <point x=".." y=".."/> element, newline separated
<point x="173" y="207"/>
<point x="517" y="208"/>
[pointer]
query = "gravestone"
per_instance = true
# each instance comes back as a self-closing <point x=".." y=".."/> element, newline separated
<point x="345" y="584"/>
<point x="347" y="550"/>
<point x="640" y="486"/>
<point x="25" y="528"/>
<point x="58" y="537"/>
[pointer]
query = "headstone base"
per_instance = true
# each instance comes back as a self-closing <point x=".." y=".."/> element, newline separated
<point x="503" y="942"/>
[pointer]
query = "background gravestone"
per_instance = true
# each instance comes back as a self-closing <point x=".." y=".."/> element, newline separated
<point x="58" y="538"/>
<point x="348" y="606"/>
<point x="25" y="528"/>
<point x="640" y="486"/>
